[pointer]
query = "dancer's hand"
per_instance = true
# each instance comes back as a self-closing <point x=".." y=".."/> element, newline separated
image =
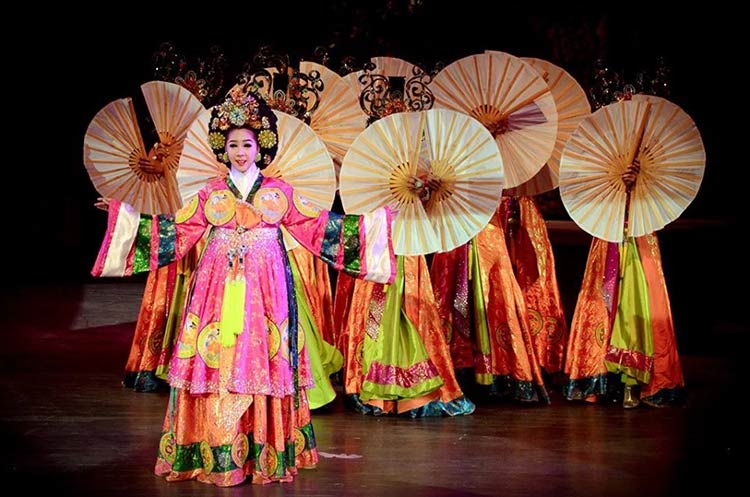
<point x="424" y="185"/>
<point x="102" y="203"/>
<point x="631" y="174"/>
<point x="154" y="163"/>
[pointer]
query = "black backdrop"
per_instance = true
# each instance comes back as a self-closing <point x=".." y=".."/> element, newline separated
<point x="81" y="66"/>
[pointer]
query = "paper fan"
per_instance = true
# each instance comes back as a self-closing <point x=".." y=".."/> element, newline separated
<point x="304" y="162"/>
<point x="393" y="66"/>
<point x="352" y="79"/>
<point x="672" y="162"/>
<point x="400" y="89"/>
<point x="339" y="118"/>
<point x="198" y="164"/>
<point x="572" y="106"/>
<point x="455" y="147"/>
<point x="511" y="100"/>
<point x="113" y="146"/>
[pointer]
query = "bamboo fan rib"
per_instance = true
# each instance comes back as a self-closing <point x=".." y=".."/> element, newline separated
<point x="198" y="164"/>
<point x="339" y="118"/>
<point x="113" y="145"/>
<point x="455" y="147"/>
<point x="572" y="107"/>
<point x="173" y="109"/>
<point x="304" y="162"/>
<point x="511" y="100"/>
<point x="392" y="66"/>
<point x="352" y="79"/>
<point x="672" y="161"/>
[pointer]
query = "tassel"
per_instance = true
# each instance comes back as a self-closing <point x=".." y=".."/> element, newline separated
<point x="232" y="311"/>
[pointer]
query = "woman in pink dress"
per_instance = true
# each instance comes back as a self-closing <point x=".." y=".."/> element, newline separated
<point x="238" y="405"/>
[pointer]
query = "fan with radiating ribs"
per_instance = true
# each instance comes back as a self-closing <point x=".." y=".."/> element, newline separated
<point x="393" y="66"/>
<point x="383" y="66"/>
<point x="113" y="147"/>
<point x="572" y="106"/>
<point x="672" y="161"/>
<point x="302" y="161"/>
<point x="455" y="148"/>
<point x="511" y="100"/>
<point x="339" y="118"/>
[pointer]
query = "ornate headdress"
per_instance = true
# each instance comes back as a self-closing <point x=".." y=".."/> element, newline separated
<point x="244" y="109"/>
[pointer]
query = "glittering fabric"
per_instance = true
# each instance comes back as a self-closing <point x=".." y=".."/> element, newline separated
<point x="533" y="262"/>
<point x="375" y="312"/>
<point x="582" y="388"/>
<point x="316" y="284"/>
<point x="501" y="334"/>
<point x="667" y="371"/>
<point x="148" y="338"/>
<point x="325" y="359"/>
<point x="171" y="331"/>
<point x="397" y="380"/>
<point x="332" y="239"/>
<point x="591" y="328"/>
<point x="389" y="374"/>
<point x="591" y="325"/>
<point x="611" y="277"/>
<point x="166" y="251"/>
<point x="354" y="330"/>
<point x="259" y="380"/>
<point x="342" y="302"/>
<point x="450" y="280"/>
<point x="267" y="443"/>
<point x="461" y="318"/>
<point x="631" y="345"/>
<point x="142" y="253"/>
<point x="458" y="407"/>
<point x="351" y="243"/>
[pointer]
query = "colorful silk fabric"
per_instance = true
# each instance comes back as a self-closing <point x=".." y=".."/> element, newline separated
<point x="237" y="368"/>
<point x="482" y="305"/>
<point x="623" y="325"/>
<point x="396" y="356"/>
<point x="533" y="262"/>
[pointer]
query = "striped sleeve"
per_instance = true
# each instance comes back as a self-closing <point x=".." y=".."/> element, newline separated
<point x="135" y="242"/>
<point x="360" y="246"/>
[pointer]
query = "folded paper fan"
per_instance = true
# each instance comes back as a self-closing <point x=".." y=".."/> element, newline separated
<point x="338" y="118"/>
<point x="672" y="160"/>
<point x="302" y="161"/>
<point x="393" y="66"/>
<point x="352" y="79"/>
<point x="198" y="164"/>
<point x="572" y="106"/>
<point x="455" y="148"/>
<point x="511" y="100"/>
<point x="114" y="148"/>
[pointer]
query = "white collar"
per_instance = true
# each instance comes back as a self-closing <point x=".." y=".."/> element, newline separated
<point x="244" y="181"/>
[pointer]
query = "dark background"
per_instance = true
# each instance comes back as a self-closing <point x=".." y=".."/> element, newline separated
<point x="84" y="65"/>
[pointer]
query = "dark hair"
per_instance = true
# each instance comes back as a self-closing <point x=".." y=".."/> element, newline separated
<point x="248" y="110"/>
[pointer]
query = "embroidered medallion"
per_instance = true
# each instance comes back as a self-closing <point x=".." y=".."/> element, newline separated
<point x="209" y="345"/>
<point x="272" y="203"/>
<point x="220" y="206"/>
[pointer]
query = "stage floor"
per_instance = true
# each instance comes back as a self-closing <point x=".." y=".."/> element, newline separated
<point x="70" y="428"/>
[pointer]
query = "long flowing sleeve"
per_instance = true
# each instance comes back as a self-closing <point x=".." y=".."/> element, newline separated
<point x="136" y="242"/>
<point x="359" y="245"/>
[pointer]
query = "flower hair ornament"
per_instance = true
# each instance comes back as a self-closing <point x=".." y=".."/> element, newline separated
<point x="244" y="109"/>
